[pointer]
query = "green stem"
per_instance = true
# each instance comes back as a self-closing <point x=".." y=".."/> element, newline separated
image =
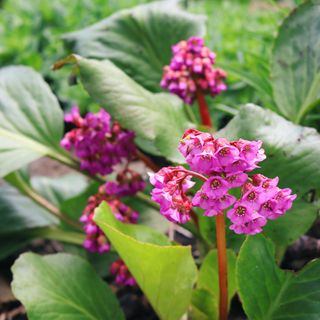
<point x="27" y="190"/>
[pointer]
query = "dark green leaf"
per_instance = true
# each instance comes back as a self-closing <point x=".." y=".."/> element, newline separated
<point x="165" y="273"/>
<point x="138" y="40"/>
<point x="295" y="70"/>
<point x="62" y="286"/>
<point x="31" y="121"/>
<point x="269" y="293"/>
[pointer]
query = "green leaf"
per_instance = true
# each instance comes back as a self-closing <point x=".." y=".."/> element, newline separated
<point x="138" y="40"/>
<point x="288" y="228"/>
<point x="19" y="213"/>
<point x="31" y="121"/>
<point x="156" y="118"/>
<point x="269" y="293"/>
<point x="259" y="82"/>
<point x="165" y="273"/>
<point x="293" y="151"/>
<point x="295" y="71"/>
<point x="59" y="189"/>
<point x="62" y="286"/>
<point x="208" y="282"/>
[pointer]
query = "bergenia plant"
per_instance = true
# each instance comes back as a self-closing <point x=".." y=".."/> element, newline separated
<point x="188" y="221"/>
<point x="222" y="166"/>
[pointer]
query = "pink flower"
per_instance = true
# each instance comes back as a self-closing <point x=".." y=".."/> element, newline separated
<point x="98" y="143"/>
<point x="95" y="240"/>
<point x="226" y="164"/>
<point x="170" y="187"/>
<point x="191" y="69"/>
<point x="123" y="276"/>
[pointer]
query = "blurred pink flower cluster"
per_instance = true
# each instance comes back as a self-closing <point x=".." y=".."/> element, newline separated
<point x="191" y="69"/>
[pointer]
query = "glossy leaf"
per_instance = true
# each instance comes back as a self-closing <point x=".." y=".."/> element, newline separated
<point x="158" y="119"/>
<point x="165" y="273"/>
<point x="296" y="62"/>
<point x="208" y="282"/>
<point x="62" y="286"/>
<point x="269" y="293"/>
<point x="31" y="121"/>
<point x="138" y="40"/>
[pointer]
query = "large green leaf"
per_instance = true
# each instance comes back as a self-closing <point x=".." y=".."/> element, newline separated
<point x="31" y="121"/>
<point x="269" y="293"/>
<point x="62" y="286"/>
<point x="296" y="62"/>
<point x="158" y="120"/>
<point x="208" y="285"/>
<point x="165" y="273"/>
<point x="138" y="40"/>
<point x="293" y="151"/>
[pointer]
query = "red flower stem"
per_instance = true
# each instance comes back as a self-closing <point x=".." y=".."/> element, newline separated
<point x="147" y="161"/>
<point x="223" y="266"/>
<point x="220" y="228"/>
<point x="192" y="173"/>
<point x="204" y="110"/>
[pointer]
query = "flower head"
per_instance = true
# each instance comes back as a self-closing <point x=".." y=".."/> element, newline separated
<point x="98" y="143"/>
<point x="170" y="186"/>
<point x="191" y="69"/>
<point x="123" y="276"/>
<point x="208" y="155"/>
<point x="128" y="183"/>
<point x="227" y="165"/>
<point x="95" y="240"/>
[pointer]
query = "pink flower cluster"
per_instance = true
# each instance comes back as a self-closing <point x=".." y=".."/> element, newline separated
<point x="128" y="183"/>
<point x="170" y="187"/>
<point x="226" y="163"/>
<point x="191" y="69"/>
<point x="207" y="155"/>
<point x="95" y="240"/>
<point x="122" y="273"/>
<point x="98" y="143"/>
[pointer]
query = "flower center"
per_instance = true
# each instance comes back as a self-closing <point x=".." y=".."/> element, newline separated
<point x="215" y="184"/>
<point x="252" y="196"/>
<point x="241" y="211"/>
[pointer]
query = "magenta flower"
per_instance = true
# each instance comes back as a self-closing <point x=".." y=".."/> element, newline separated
<point x="95" y="240"/>
<point x="123" y="276"/>
<point x="128" y="183"/>
<point x="226" y="164"/>
<point x="98" y="143"/>
<point x="191" y="69"/>
<point x="170" y="187"/>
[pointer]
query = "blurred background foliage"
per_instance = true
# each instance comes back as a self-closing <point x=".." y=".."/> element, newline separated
<point x="240" y="32"/>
